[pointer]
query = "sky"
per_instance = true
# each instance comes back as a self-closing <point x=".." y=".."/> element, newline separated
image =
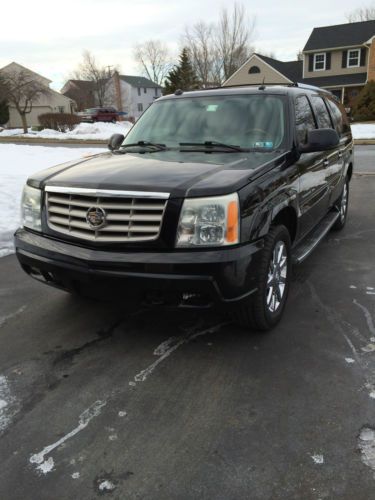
<point x="49" y="37"/>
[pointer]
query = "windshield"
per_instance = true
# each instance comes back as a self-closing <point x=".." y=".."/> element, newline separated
<point x="247" y="121"/>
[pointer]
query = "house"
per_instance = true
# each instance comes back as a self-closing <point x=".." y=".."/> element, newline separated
<point x="130" y="94"/>
<point x="50" y="102"/>
<point x="339" y="58"/>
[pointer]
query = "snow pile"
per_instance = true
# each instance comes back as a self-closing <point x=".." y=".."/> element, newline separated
<point x="363" y="130"/>
<point x="83" y="131"/>
<point x="17" y="162"/>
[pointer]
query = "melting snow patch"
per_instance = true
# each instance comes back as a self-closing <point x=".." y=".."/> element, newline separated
<point x="122" y="413"/>
<point x="366" y="444"/>
<point x="349" y="360"/>
<point x="318" y="459"/>
<point x="75" y="475"/>
<point x="352" y="286"/>
<point x="372" y="394"/>
<point x="46" y="466"/>
<point x="84" y="420"/>
<point x="106" y="486"/>
<point x="6" y="407"/>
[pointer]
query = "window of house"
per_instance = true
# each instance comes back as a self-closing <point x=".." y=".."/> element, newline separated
<point x="353" y="58"/>
<point x="304" y="119"/>
<point x="156" y="91"/>
<point x="145" y="91"/>
<point x="140" y="107"/>
<point x="139" y="91"/>
<point x="61" y="109"/>
<point x="321" y="112"/>
<point x="253" y="70"/>
<point x="320" y="62"/>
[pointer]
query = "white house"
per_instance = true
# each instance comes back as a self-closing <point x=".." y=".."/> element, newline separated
<point x="51" y="102"/>
<point x="134" y="94"/>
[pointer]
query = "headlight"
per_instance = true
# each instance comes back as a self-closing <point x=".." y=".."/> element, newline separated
<point x="209" y="221"/>
<point x="30" y="208"/>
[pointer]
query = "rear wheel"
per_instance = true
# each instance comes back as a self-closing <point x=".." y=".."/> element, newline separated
<point x="264" y="309"/>
<point x="342" y="206"/>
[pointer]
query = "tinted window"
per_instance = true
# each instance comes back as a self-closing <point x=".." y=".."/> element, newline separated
<point x="321" y="112"/>
<point x="304" y="119"/>
<point x="336" y="116"/>
<point x="340" y="118"/>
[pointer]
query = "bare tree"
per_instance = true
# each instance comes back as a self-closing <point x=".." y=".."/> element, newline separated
<point x="361" y="14"/>
<point x="91" y="70"/>
<point x="200" y="40"/>
<point x="218" y="50"/>
<point x="234" y="35"/>
<point x="22" y="90"/>
<point x="153" y="59"/>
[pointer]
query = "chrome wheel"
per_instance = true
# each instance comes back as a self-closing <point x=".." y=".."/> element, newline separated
<point x="344" y="203"/>
<point x="277" y="273"/>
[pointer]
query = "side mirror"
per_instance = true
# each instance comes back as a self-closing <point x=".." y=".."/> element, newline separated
<point x="115" y="141"/>
<point x="322" y="139"/>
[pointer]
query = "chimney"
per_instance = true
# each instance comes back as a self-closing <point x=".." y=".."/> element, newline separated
<point x="116" y="78"/>
<point x="371" y="62"/>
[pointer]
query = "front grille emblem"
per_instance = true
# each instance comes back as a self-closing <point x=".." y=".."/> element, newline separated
<point x="96" y="217"/>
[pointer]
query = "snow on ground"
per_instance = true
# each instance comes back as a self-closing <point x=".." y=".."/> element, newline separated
<point x="17" y="162"/>
<point x="83" y="131"/>
<point x="363" y="130"/>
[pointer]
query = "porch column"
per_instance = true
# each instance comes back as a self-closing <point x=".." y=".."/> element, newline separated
<point x="342" y="94"/>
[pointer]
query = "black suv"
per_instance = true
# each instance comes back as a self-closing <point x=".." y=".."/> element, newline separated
<point x="208" y="200"/>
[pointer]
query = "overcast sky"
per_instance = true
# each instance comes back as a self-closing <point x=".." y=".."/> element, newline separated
<point x="49" y="36"/>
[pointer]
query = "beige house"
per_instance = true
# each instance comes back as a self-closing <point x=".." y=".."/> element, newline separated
<point x="51" y="102"/>
<point x="339" y="58"/>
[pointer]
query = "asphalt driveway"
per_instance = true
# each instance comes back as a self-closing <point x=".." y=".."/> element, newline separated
<point x="108" y="400"/>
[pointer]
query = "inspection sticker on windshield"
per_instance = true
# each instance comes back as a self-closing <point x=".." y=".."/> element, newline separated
<point x="267" y="144"/>
<point x="212" y="107"/>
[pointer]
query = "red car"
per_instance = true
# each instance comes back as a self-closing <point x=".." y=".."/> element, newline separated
<point x="92" y="115"/>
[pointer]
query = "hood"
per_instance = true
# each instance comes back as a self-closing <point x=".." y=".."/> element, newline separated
<point x="174" y="172"/>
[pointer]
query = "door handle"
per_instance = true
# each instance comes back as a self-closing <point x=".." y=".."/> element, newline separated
<point x="325" y="162"/>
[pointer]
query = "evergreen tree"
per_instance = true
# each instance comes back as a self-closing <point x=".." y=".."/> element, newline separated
<point x="181" y="76"/>
<point x="4" y="113"/>
<point x="364" y="105"/>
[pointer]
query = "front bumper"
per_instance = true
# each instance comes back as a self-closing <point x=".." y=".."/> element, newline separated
<point x="195" y="278"/>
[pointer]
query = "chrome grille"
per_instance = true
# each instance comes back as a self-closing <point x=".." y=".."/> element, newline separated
<point x="129" y="216"/>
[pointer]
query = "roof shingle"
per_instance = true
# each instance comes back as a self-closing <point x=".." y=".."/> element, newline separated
<point x="340" y="35"/>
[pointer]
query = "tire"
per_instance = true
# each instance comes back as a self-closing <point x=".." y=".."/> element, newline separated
<point x="264" y="309"/>
<point x="342" y="206"/>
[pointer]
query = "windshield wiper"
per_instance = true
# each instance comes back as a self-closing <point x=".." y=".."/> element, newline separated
<point x="146" y="144"/>
<point x="212" y="144"/>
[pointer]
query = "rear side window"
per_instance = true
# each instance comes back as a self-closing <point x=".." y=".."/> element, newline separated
<point x="336" y="116"/>
<point x="321" y="112"/>
<point x="304" y="119"/>
<point x="339" y="116"/>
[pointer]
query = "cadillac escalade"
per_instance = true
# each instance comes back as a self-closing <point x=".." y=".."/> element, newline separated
<point x="209" y="200"/>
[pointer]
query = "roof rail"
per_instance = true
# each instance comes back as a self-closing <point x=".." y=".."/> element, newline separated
<point x="306" y="86"/>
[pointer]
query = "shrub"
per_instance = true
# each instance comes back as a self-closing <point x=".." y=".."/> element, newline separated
<point x="4" y="113"/>
<point x="58" y="121"/>
<point x="364" y="105"/>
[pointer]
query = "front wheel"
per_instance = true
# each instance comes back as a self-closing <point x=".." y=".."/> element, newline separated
<point x="342" y="206"/>
<point x="264" y="309"/>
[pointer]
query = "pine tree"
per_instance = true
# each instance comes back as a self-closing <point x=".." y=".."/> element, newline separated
<point x="181" y="76"/>
<point x="364" y="105"/>
<point x="4" y="113"/>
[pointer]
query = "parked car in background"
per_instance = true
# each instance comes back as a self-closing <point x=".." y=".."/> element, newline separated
<point x="92" y="115"/>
